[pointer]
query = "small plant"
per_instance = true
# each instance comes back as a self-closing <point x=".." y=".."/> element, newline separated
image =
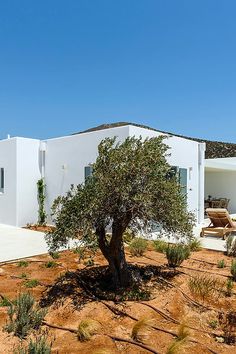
<point x="213" y="324"/>
<point x="23" y="264"/>
<point x="233" y="269"/>
<point x="203" y="286"/>
<point x="5" y="302"/>
<point x="87" y="328"/>
<point x="176" y="254"/>
<point x="23" y="276"/>
<point x="141" y="329"/>
<point x="37" y="346"/>
<point x="221" y="263"/>
<point x="81" y="251"/>
<point x="50" y="264"/>
<point x="178" y="344"/>
<point x="160" y="246"/>
<point x="31" y="283"/>
<point x="138" y="246"/>
<point x="55" y="255"/>
<point x="195" y="245"/>
<point x="229" y="287"/>
<point x="231" y="246"/>
<point x="24" y="316"/>
<point x="42" y="216"/>
<point x="89" y="262"/>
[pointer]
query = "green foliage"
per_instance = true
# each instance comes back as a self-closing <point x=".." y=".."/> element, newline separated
<point x="23" y="276"/>
<point x="55" y="255"/>
<point x="204" y="286"/>
<point x="87" y="328"/>
<point x="229" y="287"/>
<point x="231" y="246"/>
<point x="233" y="269"/>
<point x="42" y="216"/>
<point x="128" y="236"/>
<point x="24" y="316"/>
<point x="195" y="245"/>
<point x="50" y="264"/>
<point x="31" y="283"/>
<point x="221" y="263"/>
<point x="138" y="246"/>
<point x="36" y="346"/>
<point x="228" y="325"/>
<point x="5" y="302"/>
<point x="23" y="264"/>
<point x="129" y="188"/>
<point x="176" y="254"/>
<point x="160" y="246"/>
<point x="213" y="324"/>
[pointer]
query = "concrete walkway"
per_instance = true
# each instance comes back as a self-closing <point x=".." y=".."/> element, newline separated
<point x="17" y="243"/>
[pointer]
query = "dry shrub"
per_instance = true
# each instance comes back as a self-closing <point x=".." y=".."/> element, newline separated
<point x="204" y="287"/>
<point x="87" y="328"/>
<point x="228" y="325"/>
<point x="141" y="328"/>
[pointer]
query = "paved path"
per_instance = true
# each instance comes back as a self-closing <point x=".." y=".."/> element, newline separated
<point x="17" y="243"/>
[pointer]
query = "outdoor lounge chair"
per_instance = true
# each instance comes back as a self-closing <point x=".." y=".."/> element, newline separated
<point x="221" y="223"/>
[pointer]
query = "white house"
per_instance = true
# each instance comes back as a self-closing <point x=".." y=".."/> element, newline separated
<point x="64" y="161"/>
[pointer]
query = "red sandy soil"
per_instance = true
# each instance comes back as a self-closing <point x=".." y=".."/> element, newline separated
<point x="40" y="228"/>
<point x="64" y="311"/>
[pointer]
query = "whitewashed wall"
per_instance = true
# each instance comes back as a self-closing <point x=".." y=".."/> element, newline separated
<point x="67" y="156"/>
<point x="8" y="214"/>
<point x="28" y="173"/>
<point x="221" y="184"/>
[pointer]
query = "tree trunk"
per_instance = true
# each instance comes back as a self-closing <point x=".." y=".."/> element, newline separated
<point x="115" y="255"/>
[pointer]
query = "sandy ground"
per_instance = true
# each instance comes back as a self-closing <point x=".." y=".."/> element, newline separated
<point x="63" y="311"/>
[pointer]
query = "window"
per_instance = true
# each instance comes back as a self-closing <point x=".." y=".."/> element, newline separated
<point x="181" y="174"/>
<point x="88" y="170"/>
<point x="2" y="182"/>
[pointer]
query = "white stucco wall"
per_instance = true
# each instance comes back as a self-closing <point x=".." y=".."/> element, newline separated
<point x="8" y="203"/>
<point x="28" y="173"/>
<point x="221" y="184"/>
<point x="67" y="156"/>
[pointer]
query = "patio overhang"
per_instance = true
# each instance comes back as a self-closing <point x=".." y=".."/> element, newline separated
<point x="223" y="164"/>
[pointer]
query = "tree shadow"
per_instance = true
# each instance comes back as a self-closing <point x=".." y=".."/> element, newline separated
<point x="94" y="284"/>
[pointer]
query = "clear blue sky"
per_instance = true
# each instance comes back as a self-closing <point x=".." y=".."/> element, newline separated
<point x="69" y="65"/>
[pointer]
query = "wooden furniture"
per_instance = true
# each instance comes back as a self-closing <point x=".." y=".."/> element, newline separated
<point x="221" y="223"/>
<point x="216" y="203"/>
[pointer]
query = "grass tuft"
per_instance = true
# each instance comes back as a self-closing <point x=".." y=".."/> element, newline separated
<point x="87" y="328"/>
<point x="141" y="329"/>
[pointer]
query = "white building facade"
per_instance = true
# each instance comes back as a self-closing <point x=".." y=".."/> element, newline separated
<point x="63" y="161"/>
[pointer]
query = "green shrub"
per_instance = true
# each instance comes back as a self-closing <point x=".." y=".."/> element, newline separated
<point x="24" y="316"/>
<point x="195" y="245"/>
<point x="37" y="346"/>
<point x="233" y="269"/>
<point x="23" y="264"/>
<point x="229" y="287"/>
<point x="221" y="263"/>
<point x="31" y="283"/>
<point x="55" y="255"/>
<point x="50" y="264"/>
<point x="5" y="302"/>
<point x="138" y="246"/>
<point x="81" y="251"/>
<point x="213" y="324"/>
<point x="176" y="254"/>
<point x="160" y="246"/>
<point x="128" y="236"/>
<point x="231" y="246"/>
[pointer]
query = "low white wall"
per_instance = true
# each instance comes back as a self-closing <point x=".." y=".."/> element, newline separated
<point x="28" y="173"/>
<point x="8" y="198"/>
<point x="221" y="184"/>
<point x="67" y="157"/>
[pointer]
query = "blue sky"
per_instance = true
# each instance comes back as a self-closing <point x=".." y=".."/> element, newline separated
<point x="69" y="65"/>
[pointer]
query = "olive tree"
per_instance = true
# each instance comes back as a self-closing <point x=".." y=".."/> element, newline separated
<point x="130" y="186"/>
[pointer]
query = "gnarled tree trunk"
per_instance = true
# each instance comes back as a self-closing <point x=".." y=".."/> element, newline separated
<point x="114" y="252"/>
